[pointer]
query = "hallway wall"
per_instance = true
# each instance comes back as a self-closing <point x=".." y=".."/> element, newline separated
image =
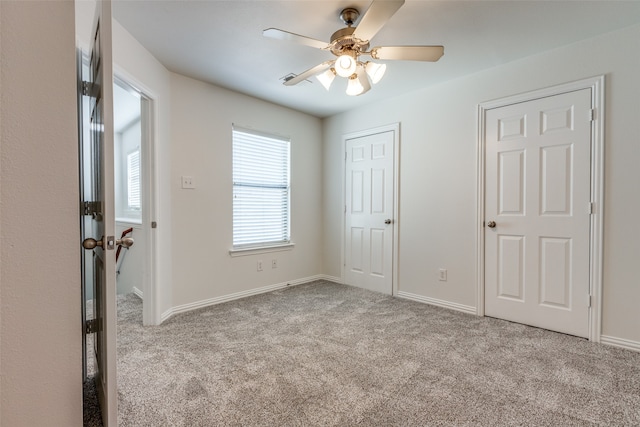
<point x="40" y="328"/>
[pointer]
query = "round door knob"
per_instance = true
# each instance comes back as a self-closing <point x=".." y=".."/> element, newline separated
<point x="387" y="221"/>
<point x="127" y="242"/>
<point x="491" y="224"/>
<point x="91" y="243"/>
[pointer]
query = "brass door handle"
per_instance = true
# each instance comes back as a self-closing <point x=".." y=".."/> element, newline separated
<point x="127" y="242"/>
<point x="91" y="243"/>
<point x="491" y="224"/>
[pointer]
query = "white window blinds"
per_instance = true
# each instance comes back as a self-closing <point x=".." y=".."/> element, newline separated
<point x="133" y="180"/>
<point x="260" y="189"/>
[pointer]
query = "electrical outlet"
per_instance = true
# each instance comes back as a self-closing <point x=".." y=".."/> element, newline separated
<point x="188" y="182"/>
<point x="274" y="263"/>
<point x="259" y="266"/>
<point x="442" y="274"/>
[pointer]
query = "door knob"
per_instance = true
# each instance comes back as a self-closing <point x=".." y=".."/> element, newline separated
<point x="127" y="242"/>
<point x="91" y="243"/>
<point x="491" y="224"/>
<point x="388" y="221"/>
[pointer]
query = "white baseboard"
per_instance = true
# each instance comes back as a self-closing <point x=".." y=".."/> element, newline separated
<point x="165" y="316"/>
<point x="329" y="279"/>
<point x="138" y="293"/>
<point x="620" y="342"/>
<point x="439" y="303"/>
<point x="238" y="295"/>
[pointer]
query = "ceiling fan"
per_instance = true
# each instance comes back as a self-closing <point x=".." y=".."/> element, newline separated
<point x="349" y="43"/>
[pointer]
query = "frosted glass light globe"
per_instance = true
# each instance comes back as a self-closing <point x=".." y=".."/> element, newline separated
<point x="327" y="77"/>
<point x="375" y="71"/>
<point x="345" y="65"/>
<point x="354" y="87"/>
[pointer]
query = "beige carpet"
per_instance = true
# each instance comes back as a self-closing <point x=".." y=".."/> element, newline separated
<point x="323" y="354"/>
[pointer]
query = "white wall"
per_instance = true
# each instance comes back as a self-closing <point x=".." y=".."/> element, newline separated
<point x="201" y="120"/>
<point x="40" y="328"/>
<point x="438" y="172"/>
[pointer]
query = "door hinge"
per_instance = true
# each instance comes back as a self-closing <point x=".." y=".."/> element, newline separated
<point x="90" y="89"/>
<point x="345" y="156"/>
<point x="91" y="326"/>
<point x="90" y="208"/>
<point x="589" y="301"/>
<point x="592" y="208"/>
<point x="592" y="114"/>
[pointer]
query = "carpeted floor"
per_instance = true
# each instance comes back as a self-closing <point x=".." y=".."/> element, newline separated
<point x="92" y="416"/>
<point x="323" y="354"/>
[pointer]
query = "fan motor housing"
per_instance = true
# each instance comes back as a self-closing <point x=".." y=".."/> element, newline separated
<point x="343" y="42"/>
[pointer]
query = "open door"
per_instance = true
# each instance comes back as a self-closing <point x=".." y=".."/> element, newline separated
<point x="97" y="213"/>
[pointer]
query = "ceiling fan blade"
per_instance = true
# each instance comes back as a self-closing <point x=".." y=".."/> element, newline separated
<point x="309" y="73"/>
<point x="374" y="19"/>
<point x="408" y="53"/>
<point x="364" y="80"/>
<point x="277" y="34"/>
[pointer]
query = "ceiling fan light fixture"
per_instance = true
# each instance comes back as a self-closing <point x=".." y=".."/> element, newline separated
<point x="327" y="77"/>
<point x="354" y="87"/>
<point x="345" y="65"/>
<point x="375" y="71"/>
<point x="348" y="44"/>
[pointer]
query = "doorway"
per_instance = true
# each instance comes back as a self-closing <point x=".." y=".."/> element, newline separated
<point x="370" y="226"/>
<point x="127" y="125"/>
<point x="540" y="188"/>
<point x="134" y="184"/>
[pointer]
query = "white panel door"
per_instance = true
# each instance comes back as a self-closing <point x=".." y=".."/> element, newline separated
<point x="98" y="231"/>
<point x="537" y="212"/>
<point x="369" y="211"/>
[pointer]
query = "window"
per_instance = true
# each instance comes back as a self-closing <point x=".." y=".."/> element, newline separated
<point x="260" y="189"/>
<point x="133" y="180"/>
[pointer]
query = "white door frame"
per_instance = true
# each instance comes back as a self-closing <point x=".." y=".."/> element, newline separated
<point x="149" y="122"/>
<point x="597" y="86"/>
<point x="395" y="128"/>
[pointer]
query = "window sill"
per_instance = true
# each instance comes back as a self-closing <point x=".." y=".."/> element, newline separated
<point x="261" y="250"/>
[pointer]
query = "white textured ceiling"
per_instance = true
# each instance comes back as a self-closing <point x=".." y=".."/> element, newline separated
<point x="221" y="42"/>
